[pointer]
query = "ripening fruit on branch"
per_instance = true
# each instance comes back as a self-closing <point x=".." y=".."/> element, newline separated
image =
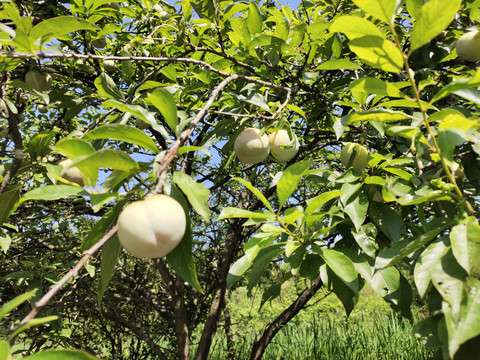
<point x="468" y="46"/>
<point x="42" y="109"/>
<point x="153" y="227"/>
<point x="72" y="174"/>
<point x="100" y="43"/>
<point x="282" y="146"/>
<point x="350" y="150"/>
<point x="250" y="147"/>
<point x="38" y="81"/>
<point x="109" y="66"/>
<point x="112" y="5"/>
<point x="162" y="14"/>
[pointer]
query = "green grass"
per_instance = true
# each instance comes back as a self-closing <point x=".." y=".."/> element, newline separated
<point x="321" y="332"/>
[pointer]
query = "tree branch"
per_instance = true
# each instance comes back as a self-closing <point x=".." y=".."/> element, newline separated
<point x="281" y="320"/>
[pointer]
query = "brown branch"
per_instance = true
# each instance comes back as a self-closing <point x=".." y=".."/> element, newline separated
<point x="71" y="273"/>
<point x="138" y="332"/>
<point x="200" y="63"/>
<point x="281" y="320"/>
<point x="16" y="136"/>
<point x="172" y="153"/>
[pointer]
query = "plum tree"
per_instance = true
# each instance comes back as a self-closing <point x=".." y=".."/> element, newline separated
<point x="71" y="174"/>
<point x="282" y="146"/>
<point x="39" y="81"/>
<point x="468" y="46"/>
<point x="152" y="228"/>
<point x="354" y="155"/>
<point x="251" y="147"/>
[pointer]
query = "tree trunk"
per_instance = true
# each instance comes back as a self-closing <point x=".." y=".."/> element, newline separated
<point x="260" y="346"/>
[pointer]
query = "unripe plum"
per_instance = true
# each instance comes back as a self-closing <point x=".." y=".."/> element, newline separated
<point x="250" y="147"/>
<point x="109" y="66"/>
<point x="361" y="155"/>
<point x="42" y="109"/>
<point x="72" y="174"/>
<point x="278" y="141"/>
<point x="152" y="228"/>
<point x="100" y="43"/>
<point x="468" y="46"/>
<point x="38" y="81"/>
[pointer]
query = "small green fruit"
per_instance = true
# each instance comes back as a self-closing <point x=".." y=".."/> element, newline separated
<point x="353" y="149"/>
<point x="42" y="109"/>
<point x="250" y="147"/>
<point x="109" y="66"/>
<point x="72" y="174"/>
<point x="38" y="81"/>
<point x="468" y="46"/>
<point x="100" y="43"/>
<point x="112" y="5"/>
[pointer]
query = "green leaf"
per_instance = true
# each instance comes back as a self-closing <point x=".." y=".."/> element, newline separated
<point x="270" y="294"/>
<point x="448" y="277"/>
<point x="181" y="258"/>
<point x="338" y="64"/>
<point x="204" y="8"/>
<point x="459" y="84"/>
<point x="114" y="159"/>
<point x="5" y="241"/>
<point x="61" y="355"/>
<point x="32" y="323"/>
<point x="320" y="200"/>
<point x="365" y="238"/>
<point x="15" y="302"/>
<point x="356" y="209"/>
<point x="135" y="110"/>
<point x="427" y="262"/>
<point x="107" y="87"/>
<point x="289" y="180"/>
<point x="58" y="26"/>
<point x="254" y="19"/>
<point x="342" y="266"/>
<point x="381" y="9"/>
<point x="8" y="200"/>
<point x="256" y="192"/>
<point x="354" y="27"/>
<point x="233" y="212"/>
<point x="165" y="103"/>
<point x="238" y="268"/>
<point x="4" y="350"/>
<point x="375" y="86"/>
<point x="73" y="148"/>
<point x="197" y="194"/>
<point x="377" y="52"/>
<point x="54" y="192"/>
<point x="101" y="227"/>
<point x="434" y="17"/>
<point x="125" y="133"/>
<point x="262" y="260"/>
<point x="465" y="240"/>
<point x="465" y="325"/>
<point x="401" y="249"/>
<point x="386" y="281"/>
<point x="387" y="220"/>
<point x="110" y="253"/>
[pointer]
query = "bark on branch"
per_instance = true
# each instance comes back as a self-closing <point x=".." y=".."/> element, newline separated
<point x="281" y="320"/>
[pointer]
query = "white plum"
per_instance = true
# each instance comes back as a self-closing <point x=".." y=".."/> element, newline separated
<point x="152" y="228"/>
<point x="250" y="147"/>
<point x="282" y="146"/>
